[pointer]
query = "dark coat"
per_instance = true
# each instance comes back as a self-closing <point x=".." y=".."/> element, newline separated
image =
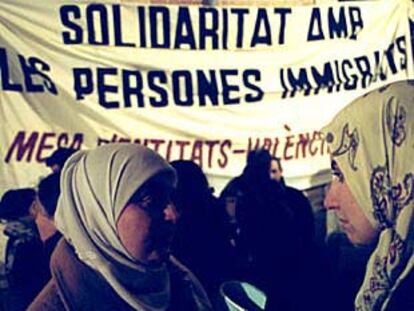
<point x="200" y="243"/>
<point x="274" y="242"/>
<point x="302" y="212"/>
<point x="75" y="286"/>
<point x="27" y="264"/>
<point x="403" y="298"/>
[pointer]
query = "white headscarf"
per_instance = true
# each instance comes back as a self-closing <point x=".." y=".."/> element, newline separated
<point x="372" y="140"/>
<point x="96" y="185"/>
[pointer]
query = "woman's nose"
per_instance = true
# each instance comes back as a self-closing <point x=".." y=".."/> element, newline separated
<point x="171" y="214"/>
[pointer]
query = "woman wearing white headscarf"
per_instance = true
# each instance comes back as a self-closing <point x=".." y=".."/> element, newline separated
<point x="372" y="191"/>
<point x="114" y="255"/>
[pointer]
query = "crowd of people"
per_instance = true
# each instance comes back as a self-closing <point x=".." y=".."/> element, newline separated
<point x="120" y="228"/>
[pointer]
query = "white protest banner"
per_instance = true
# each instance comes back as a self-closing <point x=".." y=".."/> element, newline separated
<point x="206" y="83"/>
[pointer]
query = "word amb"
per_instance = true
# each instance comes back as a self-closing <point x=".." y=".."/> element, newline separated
<point x="335" y="23"/>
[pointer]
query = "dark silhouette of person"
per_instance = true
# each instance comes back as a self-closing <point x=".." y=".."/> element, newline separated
<point x="272" y="253"/>
<point x="16" y="203"/>
<point x="266" y="243"/>
<point x="57" y="159"/>
<point x="48" y="195"/>
<point x="200" y="239"/>
<point x="300" y="206"/>
<point x="23" y="248"/>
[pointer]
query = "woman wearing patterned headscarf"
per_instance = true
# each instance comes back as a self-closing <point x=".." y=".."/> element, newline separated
<point x="372" y="147"/>
<point x="114" y="255"/>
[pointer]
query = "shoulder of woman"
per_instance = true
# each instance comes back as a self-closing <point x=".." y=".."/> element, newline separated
<point x="48" y="299"/>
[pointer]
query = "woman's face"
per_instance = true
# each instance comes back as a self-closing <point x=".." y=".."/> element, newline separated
<point x="144" y="226"/>
<point x="275" y="171"/>
<point x="351" y="218"/>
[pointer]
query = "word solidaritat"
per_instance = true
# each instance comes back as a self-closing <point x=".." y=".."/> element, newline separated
<point x="162" y="27"/>
<point x="198" y="28"/>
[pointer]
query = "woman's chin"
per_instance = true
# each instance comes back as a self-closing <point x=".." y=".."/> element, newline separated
<point x="360" y="240"/>
<point x="156" y="257"/>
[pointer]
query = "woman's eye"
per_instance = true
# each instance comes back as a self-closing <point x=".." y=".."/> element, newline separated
<point x="337" y="174"/>
<point x="145" y="202"/>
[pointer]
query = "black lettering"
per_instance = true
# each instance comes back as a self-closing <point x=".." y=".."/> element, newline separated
<point x="6" y="83"/>
<point x="258" y="93"/>
<point x="364" y="68"/>
<point x="155" y="22"/>
<point x="184" y="34"/>
<point x="324" y="79"/>
<point x="186" y="82"/>
<point x="207" y="87"/>
<point x="205" y="31"/>
<point x="98" y="10"/>
<point x="82" y="82"/>
<point x="104" y="88"/>
<point x="134" y="89"/>
<point x="283" y="12"/>
<point x="337" y="26"/>
<point x="67" y="13"/>
<point x="315" y="31"/>
<point x="116" y="9"/>
<point x="162" y="100"/>
<point x="357" y="22"/>
<point x="229" y="88"/>
<point x="261" y="20"/>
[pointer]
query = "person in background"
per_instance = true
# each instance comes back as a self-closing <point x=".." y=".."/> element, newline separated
<point x="23" y="248"/>
<point x="372" y="190"/>
<point x="300" y="206"/>
<point x="272" y="253"/>
<point x="29" y="269"/>
<point x="58" y="158"/>
<point x="269" y="250"/>
<point x="47" y="199"/>
<point x="276" y="171"/>
<point x="200" y="241"/>
<point x="114" y="254"/>
<point x="15" y="204"/>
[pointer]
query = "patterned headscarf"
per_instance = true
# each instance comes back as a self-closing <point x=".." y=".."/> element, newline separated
<point x="372" y="140"/>
<point x="96" y="185"/>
